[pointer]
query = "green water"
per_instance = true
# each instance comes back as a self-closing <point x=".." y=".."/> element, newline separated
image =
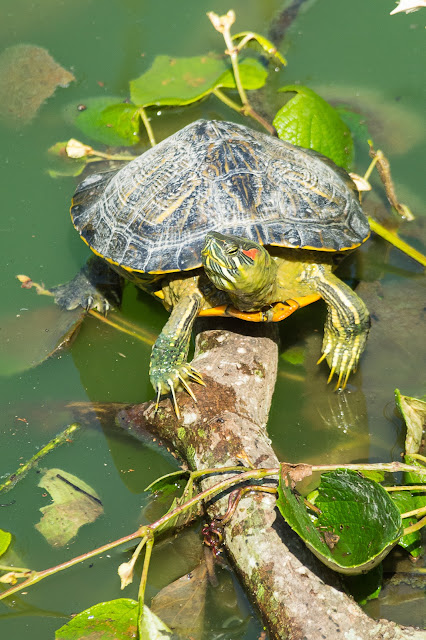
<point x="354" y="50"/>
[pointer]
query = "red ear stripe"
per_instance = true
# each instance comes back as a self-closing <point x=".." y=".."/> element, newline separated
<point x="251" y="253"/>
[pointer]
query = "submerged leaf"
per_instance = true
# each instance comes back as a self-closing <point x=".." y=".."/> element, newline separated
<point x="36" y="335"/>
<point x="28" y="76"/>
<point x="358" y="525"/>
<point x="107" y="119"/>
<point x="64" y="165"/>
<point x="152" y="628"/>
<point x="74" y="504"/>
<point x="310" y="122"/>
<point x="5" y="540"/>
<point x="180" y="81"/>
<point x="182" y="603"/>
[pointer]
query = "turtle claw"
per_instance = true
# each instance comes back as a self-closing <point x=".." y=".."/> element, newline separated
<point x="173" y="380"/>
<point x="187" y="387"/>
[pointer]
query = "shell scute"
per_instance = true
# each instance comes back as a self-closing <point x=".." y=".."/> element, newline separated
<point x="154" y="213"/>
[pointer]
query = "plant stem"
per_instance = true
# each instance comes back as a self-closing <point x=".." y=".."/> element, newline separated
<point x="392" y="238"/>
<point x="149" y="530"/>
<point x="148" y="127"/>
<point x="147" y="339"/>
<point x="415" y="512"/>
<point x="415" y="527"/>
<point x="144" y="577"/>
<point x="122" y="157"/>
<point x="22" y="471"/>
<point x="245" y="110"/>
<point x="40" y="575"/>
<point x="420" y="487"/>
<point x="230" y="103"/>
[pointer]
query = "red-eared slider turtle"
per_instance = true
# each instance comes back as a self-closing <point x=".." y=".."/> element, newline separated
<point x="186" y="222"/>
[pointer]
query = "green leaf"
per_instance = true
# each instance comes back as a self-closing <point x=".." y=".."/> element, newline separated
<point x="310" y="122"/>
<point x="167" y="484"/>
<point x="104" y="621"/>
<point x="108" y="120"/>
<point x="252" y="75"/>
<point x="358" y="524"/>
<point x="5" y="540"/>
<point x="180" y="81"/>
<point x="406" y="502"/>
<point x="64" y="165"/>
<point x="266" y="44"/>
<point x="152" y="628"/>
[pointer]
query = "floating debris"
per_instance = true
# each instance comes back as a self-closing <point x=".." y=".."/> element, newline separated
<point x="28" y="76"/>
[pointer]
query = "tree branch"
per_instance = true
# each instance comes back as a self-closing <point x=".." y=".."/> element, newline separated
<point x="296" y="595"/>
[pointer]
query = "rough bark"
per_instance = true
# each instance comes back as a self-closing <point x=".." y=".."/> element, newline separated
<point x="296" y="595"/>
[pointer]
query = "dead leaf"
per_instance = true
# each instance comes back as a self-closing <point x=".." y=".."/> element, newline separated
<point x="414" y="413"/>
<point x="181" y="604"/>
<point x="74" y="503"/>
<point x="297" y="472"/>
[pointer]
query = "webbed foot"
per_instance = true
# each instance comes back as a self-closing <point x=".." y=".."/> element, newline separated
<point x="96" y="286"/>
<point x="342" y="353"/>
<point x="173" y="379"/>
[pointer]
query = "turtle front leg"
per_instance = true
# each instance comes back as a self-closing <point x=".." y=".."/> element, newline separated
<point x="169" y="370"/>
<point x="347" y="324"/>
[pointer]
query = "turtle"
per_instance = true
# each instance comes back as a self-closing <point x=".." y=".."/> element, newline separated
<point x="220" y="219"/>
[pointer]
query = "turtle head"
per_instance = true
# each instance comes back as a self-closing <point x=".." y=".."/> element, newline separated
<point x="239" y="266"/>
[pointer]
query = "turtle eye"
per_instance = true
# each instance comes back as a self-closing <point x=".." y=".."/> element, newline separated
<point x="232" y="250"/>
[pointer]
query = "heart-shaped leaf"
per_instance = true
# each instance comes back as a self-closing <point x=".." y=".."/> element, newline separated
<point x="180" y="81"/>
<point x="310" y="122"/>
<point x="107" y="119"/>
<point x="358" y="522"/>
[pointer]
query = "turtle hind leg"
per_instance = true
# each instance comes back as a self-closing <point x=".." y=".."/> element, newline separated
<point x="347" y="324"/>
<point x="169" y="370"/>
<point x="96" y="286"/>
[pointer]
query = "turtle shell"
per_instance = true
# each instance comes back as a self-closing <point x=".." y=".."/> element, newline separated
<point x="153" y="214"/>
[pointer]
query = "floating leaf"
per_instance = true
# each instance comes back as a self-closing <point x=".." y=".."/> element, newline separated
<point x="182" y="603"/>
<point x="107" y="119"/>
<point x="252" y="75"/>
<point x="5" y="540"/>
<point x="74" y="504"/>
<point x="117" y="619"/>
<point x="28" y="76"/>
<point x="266" y="44"/>
<point x="358" y="525"/>
<point x="310" y="122"/>
<point x="64" y="165"/>
<point x="34" y="336"/>
<point x="180" y="81"/>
